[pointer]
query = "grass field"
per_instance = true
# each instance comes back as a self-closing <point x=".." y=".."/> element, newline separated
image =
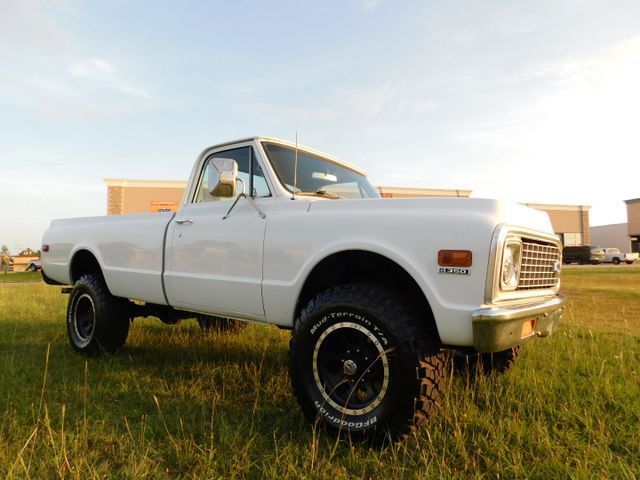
<point x="179" y="404"/>
<point x="20" y="277"/>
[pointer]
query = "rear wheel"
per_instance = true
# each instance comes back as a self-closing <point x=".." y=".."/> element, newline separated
<point x="616" y="261"/>
<point x="363" y="362"/>
<point x="628" y="262"/>
<point x="96" y="320"/>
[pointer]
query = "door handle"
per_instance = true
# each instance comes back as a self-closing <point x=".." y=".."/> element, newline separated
<point x="185" y="221"/>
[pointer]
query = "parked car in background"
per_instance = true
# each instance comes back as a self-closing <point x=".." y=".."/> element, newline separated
<point x="615" y="256"/>
<point x="583" y="254"/>
<point x="34" y="266"/>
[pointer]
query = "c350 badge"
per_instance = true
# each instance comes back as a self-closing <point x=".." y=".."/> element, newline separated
<point x="457" y="271"/>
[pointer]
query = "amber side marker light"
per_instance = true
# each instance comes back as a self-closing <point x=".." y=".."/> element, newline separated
<point x="528" y="327"/>
<point x="454" y="258"/>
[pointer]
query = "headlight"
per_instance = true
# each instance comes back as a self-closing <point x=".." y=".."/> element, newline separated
<point x="511" y="264"/>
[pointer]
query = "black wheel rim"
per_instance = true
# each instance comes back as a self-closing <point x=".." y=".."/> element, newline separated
<point x="351" y="368"/>
<point x="84" y="318"/>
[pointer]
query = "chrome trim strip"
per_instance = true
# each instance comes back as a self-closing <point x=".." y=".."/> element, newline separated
<point x="498" y="314"/>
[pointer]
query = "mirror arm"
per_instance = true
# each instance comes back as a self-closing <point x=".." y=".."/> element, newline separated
<point x="255" y="206"/>
<point x="250" y="200"/>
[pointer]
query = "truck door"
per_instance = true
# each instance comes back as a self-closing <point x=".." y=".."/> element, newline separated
<point x="215" y="265"/>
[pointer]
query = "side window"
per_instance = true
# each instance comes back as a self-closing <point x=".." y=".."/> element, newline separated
<point x="244" y="157"/>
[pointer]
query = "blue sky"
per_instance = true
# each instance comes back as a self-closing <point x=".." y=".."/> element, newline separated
<point x="527" y="101"/>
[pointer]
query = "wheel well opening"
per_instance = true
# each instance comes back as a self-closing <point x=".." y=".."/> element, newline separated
<point x="83" y="263"/>
<point x="358" y="266"/>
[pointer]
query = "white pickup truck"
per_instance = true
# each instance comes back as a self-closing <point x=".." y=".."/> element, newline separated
<point x="378" y="292"/>
<point x="615" y="256"/>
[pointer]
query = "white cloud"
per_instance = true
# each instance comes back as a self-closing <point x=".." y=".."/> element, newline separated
<point x="46" y="72"/>
<point x="370" y="5"/>
<point x="398" y="99"/>
<point x="95" y="68"/>
<point x="25" y="28"/>
<point x="104" y="74"/>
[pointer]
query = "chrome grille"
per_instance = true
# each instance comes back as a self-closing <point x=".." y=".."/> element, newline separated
<point x="540" y="265"/>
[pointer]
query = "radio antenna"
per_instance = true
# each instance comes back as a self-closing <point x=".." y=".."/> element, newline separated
<point x="295" y="168"/>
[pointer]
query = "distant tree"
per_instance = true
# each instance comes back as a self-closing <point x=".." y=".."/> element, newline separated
<point x="5" y="258"/>
<point x="28" y="252"/>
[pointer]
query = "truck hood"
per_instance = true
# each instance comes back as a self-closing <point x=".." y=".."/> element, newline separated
<point x="494" y="211"/>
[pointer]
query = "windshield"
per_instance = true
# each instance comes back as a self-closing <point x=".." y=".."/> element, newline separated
<point x="316" y="175"/>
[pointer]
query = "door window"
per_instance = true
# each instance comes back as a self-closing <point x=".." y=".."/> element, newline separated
<point x="249" y="172"/>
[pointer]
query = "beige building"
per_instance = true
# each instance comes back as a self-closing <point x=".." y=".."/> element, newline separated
<point x="404" y="192"/>
<point x="571" y="222"/>
<point x="633" y="223"/>
<point x="140" y="196"/>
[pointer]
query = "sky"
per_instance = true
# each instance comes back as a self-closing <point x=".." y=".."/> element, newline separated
<point x="518" y="100"/>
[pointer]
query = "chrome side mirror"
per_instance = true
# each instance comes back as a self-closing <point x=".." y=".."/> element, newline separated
<point x="223" y="175"/>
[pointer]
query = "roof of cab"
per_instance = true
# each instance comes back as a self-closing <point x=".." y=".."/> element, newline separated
<point x="293" y="145"/>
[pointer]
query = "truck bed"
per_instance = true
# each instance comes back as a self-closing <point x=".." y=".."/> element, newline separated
<point x="129" y="248"/>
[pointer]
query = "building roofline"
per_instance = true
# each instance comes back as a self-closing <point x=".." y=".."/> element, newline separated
<point x="127" y="182"/>
<point x="625" y="224"/>
<point x="439" y="192"/>
<point x="558" y="207"/>
<point x="632" y="201"/>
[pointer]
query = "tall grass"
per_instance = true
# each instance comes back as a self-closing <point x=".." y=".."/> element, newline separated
<point x="177" y="403"/>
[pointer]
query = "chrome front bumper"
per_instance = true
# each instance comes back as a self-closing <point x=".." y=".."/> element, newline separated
<point x="498" y="328"/>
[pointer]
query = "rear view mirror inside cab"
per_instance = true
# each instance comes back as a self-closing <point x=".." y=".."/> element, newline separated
<point x="327" y="177"/>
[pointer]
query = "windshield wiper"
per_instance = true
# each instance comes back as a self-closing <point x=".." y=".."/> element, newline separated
<point x="322" y="193"/>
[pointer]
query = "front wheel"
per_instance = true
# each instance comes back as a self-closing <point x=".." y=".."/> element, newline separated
<point x="363" y="362"/>
<point x="96" y="320"/>
<point x="616" y="261"/>
<point x="628" y="262"/>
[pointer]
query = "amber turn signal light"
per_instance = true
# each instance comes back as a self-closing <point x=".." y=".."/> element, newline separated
<point x="529" y="327"/>
<point x="454" y="258"/>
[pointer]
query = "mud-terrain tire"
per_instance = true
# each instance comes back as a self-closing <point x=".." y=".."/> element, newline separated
<point x="211" y="323"/>
<point x="363" y="362"/>
<point x="485" y="363"/>
<point x="96" y="320"/>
